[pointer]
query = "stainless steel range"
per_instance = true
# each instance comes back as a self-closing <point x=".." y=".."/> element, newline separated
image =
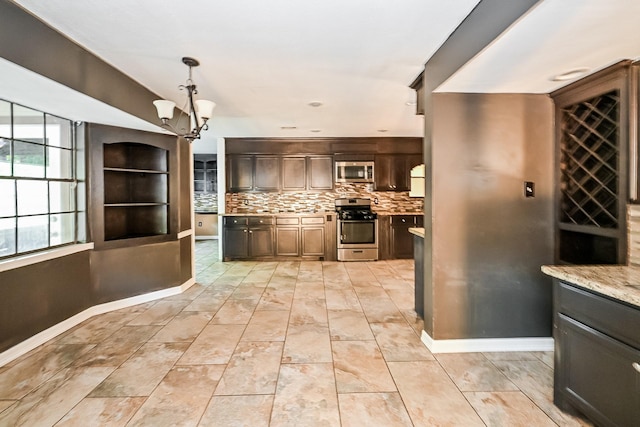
<point x="357" y="227"/>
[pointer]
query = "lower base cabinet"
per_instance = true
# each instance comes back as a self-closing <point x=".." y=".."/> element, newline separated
<point x="304" y="237"/>
<point x="247" y="237"/>
<point x="395" y="240"/>
<point x="597" y="356"/>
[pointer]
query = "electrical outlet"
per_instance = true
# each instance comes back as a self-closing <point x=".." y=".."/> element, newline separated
<point x="376" y="201"/>
<point x="246" y="201"/>
<point x="529" y="189"/>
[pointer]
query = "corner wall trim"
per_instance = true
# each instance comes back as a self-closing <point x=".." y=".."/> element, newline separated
<point x="475" y="345"/>
<point x="55" y="330"/>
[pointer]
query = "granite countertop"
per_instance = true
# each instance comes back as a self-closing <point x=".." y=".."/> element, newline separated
<point x="397" y="213"/>
<point x="206" y="212"/>
<point x="278" y="213"/>
<point x="418" y="231"/>
<point x="616" y="281"/>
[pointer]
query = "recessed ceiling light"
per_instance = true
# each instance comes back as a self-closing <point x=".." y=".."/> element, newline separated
<point x="570" y="75"/>
<point x="288" y="127"/>
<point x="315" y="130"/>
<point x="382" y="130"/>
<point x="315" y="104"/>
<point x="411" y="103"/>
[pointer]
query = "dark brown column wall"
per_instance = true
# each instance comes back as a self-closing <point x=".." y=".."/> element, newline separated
<point x="481" y="27"/>
<point x="489" y="241"/>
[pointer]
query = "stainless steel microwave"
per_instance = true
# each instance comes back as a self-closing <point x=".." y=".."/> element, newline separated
<point x="354" y="171"/>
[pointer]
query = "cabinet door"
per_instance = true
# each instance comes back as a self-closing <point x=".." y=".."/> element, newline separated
<point x="236" y="244"/>
<point x="294" y="173"/>
<point x="383" y="172"/>
<point x="598" y="375"/>
<point x="320" y="171"/>
<point x="313" y="241"/>
<point x="401" y="240"/>
<point x="287" y="241"/>
<point x="267" y="173"/>
<point x="261" y="242"/>
<point x="240" y="173"/>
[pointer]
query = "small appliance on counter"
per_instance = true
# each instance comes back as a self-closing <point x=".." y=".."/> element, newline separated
<point x="357" y="228"/>
<point x="417" y="181"/>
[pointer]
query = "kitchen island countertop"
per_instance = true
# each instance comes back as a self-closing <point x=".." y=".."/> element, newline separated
<point x="620" y="282"/>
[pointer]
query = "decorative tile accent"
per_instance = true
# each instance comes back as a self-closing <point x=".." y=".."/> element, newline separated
<point x="205" y="202"/>
<point x="633" y="234"/>
<point x="307" y="201"/>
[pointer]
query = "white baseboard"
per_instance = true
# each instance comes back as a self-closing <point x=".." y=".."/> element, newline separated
<point x="55" y="330"/>
<point x="477" y="345"/>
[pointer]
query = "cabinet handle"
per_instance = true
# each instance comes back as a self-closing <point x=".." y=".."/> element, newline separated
<point x="244" y="231"/>
<point x="250" y="231"/>
<point x="404" y="220"/>
<point x="636" y="366"/>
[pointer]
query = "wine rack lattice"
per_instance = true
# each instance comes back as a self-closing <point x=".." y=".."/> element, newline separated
<point x="589" y="162"/>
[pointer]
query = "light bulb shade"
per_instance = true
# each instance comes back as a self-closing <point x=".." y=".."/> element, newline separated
<point x="165" y="108"/>
<point x="205" y="108"/>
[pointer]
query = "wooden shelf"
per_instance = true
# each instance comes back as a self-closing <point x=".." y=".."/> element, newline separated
<point x="136" y="191"/>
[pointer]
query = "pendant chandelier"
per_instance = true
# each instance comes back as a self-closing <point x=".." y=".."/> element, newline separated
<point x="200" y="111"/>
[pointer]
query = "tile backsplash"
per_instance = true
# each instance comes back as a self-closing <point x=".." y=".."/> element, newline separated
<point x="307" y="201"/>
<point x="205" y="202"/>
<point x="633" y="234"/>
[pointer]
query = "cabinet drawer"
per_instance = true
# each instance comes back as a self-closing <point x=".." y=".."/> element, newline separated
<point x="313" y="220"/>
<point x="287" y="221"/>
<point x="402" y="219"/>
<point x="235" y="220"/>
<point x="610" y="317"/>
<point x="598" y="374"/>
<point x="260" y="220"/>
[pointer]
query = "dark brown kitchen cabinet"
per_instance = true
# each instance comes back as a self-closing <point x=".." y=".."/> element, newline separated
<point x="395" y="241"/>
<point x="205" y="173"/>
<point x="393" y="171"/>
<point x="239" y="173"/>
<point x="294" y="173"/>
<point x="320" y="172"/>
<point x="301" y="236"/>
<point x="312" y="235"/>
<point x="247" y="237"/>
<point x="597" y="355"/>
<point x="267" y="173"/>
<point x="288" y="236"/>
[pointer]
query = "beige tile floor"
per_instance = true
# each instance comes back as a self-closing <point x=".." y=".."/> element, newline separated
<point x="274" y="344"/>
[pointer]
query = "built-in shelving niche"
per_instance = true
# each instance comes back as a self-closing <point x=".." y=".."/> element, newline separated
<point x="136" y="191"/>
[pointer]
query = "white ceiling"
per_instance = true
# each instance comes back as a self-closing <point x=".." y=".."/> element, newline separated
<point x="262" y="62"/>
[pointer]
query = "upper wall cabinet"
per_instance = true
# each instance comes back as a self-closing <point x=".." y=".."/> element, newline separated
<point x="418" y="86"/>
<point x="279" y="173"/>
<point x="205" y="173"/>
<point x="393" y="171"/>
<point x="595" y="122"/>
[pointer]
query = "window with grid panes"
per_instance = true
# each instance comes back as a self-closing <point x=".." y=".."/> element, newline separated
<point x="42" y="203"/>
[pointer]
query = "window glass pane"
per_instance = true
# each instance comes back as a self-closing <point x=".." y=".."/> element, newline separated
<point x="28" y="124"/>
<point x="82" y="226"/>
<point x="81" y="195"/>
<point x="28" y="159"/>
<point x="32" y="197"/>
<point x="5" y="157"/>
<point x="58" y="132"/>
<point x="7" y="197"/>
<point x="61" y="196"/>
<point x="5" y="119"/>
<point x="7" y="236"/>
<point x="62" y="228"/>
<point x="59" y="163"/>
<point x="33" y="233"/>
